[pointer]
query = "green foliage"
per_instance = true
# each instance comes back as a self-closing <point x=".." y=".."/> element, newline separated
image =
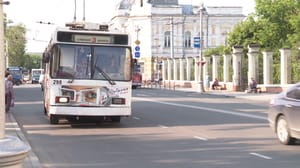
<point x="15" y="46"/>
<point x="32" y="61"/>
<point x="15" y="40"/>
<point x="217" y="51"/>
<point x="274" y="25"/>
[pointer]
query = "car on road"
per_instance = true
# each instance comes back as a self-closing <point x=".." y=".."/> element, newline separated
<point x="35" y="78"/>
<point x="284" y="115"/>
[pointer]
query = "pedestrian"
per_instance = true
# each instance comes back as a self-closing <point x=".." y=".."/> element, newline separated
<point x="253" y="85"/>
<point x="9" y="93"/>
<point x="215" y="84"/>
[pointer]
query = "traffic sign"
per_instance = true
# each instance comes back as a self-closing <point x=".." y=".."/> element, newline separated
<point x="137" y="54"/>
<point x="196" y="42"/>
<point x="137" y="48"/>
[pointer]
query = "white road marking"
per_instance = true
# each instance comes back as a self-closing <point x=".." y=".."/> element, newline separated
<point x="260" y="155"/>
<point x="142" y="95"/>
<point x="136" y="118"/>
<point x="201" y="138"/>
<point x="163" y="126"/>
<point x="28" y="102"/>
<point x="206" y="108"/>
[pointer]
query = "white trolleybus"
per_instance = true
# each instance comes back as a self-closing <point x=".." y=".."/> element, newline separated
<point x="87" y="75"/>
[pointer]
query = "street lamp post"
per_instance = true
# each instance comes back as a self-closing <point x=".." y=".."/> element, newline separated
<point x="200" y="62"/>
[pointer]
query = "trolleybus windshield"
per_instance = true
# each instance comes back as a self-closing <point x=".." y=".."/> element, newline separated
<point x="91" y="62"/>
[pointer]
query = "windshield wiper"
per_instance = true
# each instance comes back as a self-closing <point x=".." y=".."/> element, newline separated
<point x="105" y="75"/>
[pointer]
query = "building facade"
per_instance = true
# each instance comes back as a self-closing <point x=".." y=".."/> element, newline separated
<point x="163" y="29"/>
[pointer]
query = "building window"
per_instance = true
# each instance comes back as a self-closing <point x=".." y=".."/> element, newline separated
<point x="187" y="39"/>
<point x="167" y="42"/>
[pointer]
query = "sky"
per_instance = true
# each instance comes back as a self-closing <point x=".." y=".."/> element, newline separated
<point x="58" y="12"/>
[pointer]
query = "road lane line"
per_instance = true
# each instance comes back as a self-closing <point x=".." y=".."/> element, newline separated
<point x="136" y="118"/>
<point x="260" y="155"/>
<point x="163" y="126"/>
<point x="201" y="138"/>
<point x="206" y="108"/>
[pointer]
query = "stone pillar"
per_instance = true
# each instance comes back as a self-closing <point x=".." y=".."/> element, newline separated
<point x="285" y="66"/>
<point x="237" y="67"/>
<point x="196" y="69"/>
<point x="164" y="69"/>
<point x="253" y="51"/>
<point x="206" y="66"/>
<point x="175" y="69"/>
<point x="207" y="75"/>
<point x="169" y="69"/>
<point x="268" y="69"/>
<point x="181" y="68"/>
<point x="215" y="67"/>
<point x="188" y="68"/>
<point x="226" y="67"/>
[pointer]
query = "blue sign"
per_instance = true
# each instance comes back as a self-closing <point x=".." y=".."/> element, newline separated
<point x="137" y="48"/>
<point x="137" y="54"/>
<point x="196" y="42"/>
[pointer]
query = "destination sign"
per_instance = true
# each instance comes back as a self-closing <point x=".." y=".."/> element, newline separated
<point x="92" y="39"/>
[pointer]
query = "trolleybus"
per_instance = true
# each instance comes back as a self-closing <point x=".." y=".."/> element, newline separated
<point x="87" y="75"/>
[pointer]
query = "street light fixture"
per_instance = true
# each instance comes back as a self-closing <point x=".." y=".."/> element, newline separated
<point x="5" y="3"/>
<point x="202" y="10"/>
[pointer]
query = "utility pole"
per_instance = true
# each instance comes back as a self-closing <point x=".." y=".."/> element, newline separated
<point x="201" y="87"/>
<point x="172" y="37"/>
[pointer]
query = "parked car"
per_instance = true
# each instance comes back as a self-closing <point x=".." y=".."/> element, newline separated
<point x="284" y="115"/>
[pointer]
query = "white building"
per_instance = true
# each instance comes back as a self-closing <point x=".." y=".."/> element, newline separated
<point x="166" y="29"/>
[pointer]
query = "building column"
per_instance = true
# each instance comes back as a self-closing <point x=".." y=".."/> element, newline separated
<point x="196" y="69"/>
<point x="268" y="69"/>
<point x="206" y="73"/>
<point x="206" y="65"/>
<point x="169" y="69"/>
<point x="181" y="69"/>
<point x="226" y="67"/>
<point x="164" y="69"/>
<point x="188" y="68"/>
<point x="285" y="66"/>
<point x="175" y="69"/>
<point x="215" y="67"/>
<point x="237" y="67"/>
<point x="253" y="51"/>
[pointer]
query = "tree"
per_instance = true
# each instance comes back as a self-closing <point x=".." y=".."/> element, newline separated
<point x="270" y="26"/>
<point x="16" y="41"/>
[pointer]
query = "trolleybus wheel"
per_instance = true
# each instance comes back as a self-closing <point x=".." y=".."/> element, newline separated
<point x="115" y="119"/>
<point x="54" y="119"/>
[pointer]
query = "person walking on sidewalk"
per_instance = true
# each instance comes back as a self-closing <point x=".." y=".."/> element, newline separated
<point x="9" y="92"/>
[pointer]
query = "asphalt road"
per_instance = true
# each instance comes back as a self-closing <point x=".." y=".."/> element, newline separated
<point x="167" y="129"/>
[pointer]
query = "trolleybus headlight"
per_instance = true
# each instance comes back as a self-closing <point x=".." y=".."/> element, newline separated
<point x="118" y="100"/>
<point x="59" y="99"/>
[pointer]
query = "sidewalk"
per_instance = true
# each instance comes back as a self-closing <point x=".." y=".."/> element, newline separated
<point x="266" y="97"/>
<point x="12" y="129"/>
